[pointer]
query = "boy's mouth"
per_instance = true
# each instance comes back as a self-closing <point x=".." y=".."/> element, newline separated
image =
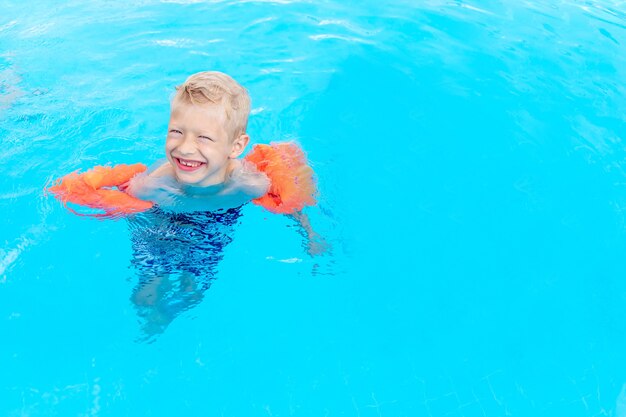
<point x="188" y="165"/>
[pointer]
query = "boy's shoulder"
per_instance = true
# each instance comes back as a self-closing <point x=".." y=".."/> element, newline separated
<point x="161" y="168"/>
<point x="244" y="178"/>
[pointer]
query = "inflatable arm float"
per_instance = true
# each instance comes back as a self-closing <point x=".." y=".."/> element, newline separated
<point x="292" y="185"/>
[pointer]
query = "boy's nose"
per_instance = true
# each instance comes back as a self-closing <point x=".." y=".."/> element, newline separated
<point x="187" y="146"/>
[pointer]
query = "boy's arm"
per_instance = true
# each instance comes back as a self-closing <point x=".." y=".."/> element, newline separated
<point x="251" y="182"/>
<point x="247" y="180"/>
<point x="315" y="243"/>
<point x="158" y="186"/>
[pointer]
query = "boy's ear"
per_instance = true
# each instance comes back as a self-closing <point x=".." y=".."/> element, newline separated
<point x="239" y="145"/>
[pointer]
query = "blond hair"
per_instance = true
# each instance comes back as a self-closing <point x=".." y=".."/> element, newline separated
<point x="218" y="88"/>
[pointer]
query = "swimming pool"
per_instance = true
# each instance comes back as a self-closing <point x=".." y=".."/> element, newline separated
<point x="471" y="167"/>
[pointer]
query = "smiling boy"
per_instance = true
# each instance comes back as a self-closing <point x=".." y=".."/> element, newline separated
<point x="206" y="135"/>
<point x="176" y="252"/>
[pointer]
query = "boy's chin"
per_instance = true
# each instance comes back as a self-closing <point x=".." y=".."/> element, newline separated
<point x="188" y="180"/>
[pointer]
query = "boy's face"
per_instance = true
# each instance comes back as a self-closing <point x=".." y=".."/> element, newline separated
<point x="199" y="145"/>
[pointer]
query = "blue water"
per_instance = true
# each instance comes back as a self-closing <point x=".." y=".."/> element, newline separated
<point x="470" y="160"/>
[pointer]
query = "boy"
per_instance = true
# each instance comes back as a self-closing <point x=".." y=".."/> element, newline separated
<point x="202" y="185"/>
<point x="206" y="135"/>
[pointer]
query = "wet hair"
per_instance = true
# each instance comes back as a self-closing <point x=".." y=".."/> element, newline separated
<point x="212" y="87"/>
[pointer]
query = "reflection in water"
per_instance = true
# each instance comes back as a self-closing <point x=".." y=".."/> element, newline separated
<point x="9" y="90"/>
<point x="620" y="406"/>
<point x="175" y="256"/>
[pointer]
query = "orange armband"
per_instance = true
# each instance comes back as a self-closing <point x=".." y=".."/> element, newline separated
<point x="93" y="189"/>
<point x="292" y="184"/>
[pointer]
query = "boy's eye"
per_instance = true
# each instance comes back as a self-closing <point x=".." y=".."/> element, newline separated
<point x="206" y="138"/>
<point x="176" y="131"/>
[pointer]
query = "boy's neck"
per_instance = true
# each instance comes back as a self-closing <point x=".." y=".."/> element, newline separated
<point x="211" y="189"/>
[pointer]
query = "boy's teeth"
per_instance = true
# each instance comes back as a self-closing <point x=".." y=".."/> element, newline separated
<point x="189" y="163"/>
